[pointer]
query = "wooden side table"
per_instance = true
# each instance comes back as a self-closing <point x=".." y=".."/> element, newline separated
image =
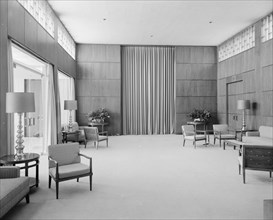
<point x="28" y="158"/>
<point x="66" y="133"/>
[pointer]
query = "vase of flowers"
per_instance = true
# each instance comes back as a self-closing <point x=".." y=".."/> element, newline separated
<point x="101" y="115"/>
<point x="200" y="115"/>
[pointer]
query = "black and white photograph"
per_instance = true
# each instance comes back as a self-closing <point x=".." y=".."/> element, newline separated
<point x="136" y="109"/>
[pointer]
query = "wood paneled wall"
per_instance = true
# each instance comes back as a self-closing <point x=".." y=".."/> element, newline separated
<point x="253" y="68"/>
<point x="99" y="83"/>
<point x="19" y="25"/>
<point x="196" y="80"/>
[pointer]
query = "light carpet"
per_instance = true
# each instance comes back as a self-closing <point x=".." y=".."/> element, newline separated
<point x="152" y="177"/>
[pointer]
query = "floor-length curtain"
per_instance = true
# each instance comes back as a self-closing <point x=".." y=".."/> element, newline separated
<point x="50" y="119"/>
<point x="67" y="92"/>
<point x="10" y="126"/>
<point x="148" y="88"/>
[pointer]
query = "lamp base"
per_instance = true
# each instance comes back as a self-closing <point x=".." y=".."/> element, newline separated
<point x="19" y="154"/>
<point x="19" y="147"/>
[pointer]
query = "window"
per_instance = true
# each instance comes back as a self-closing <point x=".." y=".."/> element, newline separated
<point x="267" y="26"/>
<point x="67" y="92"/>
<point x="237" y="44"/>
<point x="42" y="13"/>
<point x="66" y="41"/>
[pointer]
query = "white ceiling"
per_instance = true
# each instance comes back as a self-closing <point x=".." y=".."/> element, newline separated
<point x="153" y="22"/>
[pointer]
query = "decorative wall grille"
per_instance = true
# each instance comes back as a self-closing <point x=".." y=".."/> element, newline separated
<point x="66" y="41"/>
<point x="237" y="44"/>
<point x="267" y="26"/>
<point x="42" y="13"/>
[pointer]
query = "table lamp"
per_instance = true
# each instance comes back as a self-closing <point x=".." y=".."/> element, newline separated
<point x="243" y="105"/>
<point x="70" y="105"/>
<point x="20" y="102"/>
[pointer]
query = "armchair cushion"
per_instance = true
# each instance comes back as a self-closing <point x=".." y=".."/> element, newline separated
<point x="196" y="137"/>
<point x="102" y="138"/>
<point x="71" y="170"/>
<point x="226" y="136"/>
<point x="64" y="157"/>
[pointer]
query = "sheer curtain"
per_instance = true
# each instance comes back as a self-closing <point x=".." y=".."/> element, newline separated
<point x="67" y="92"/>
<point x="50" y="119"/>
<point x="148" y="88"/>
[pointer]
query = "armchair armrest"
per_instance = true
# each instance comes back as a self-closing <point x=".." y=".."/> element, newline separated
<point x="85" y="156"/>
<point x="57" y="166"/>
<point x="201" y="131"/>
<point x="253" y="133"/>
<point x="104" y="132"/>
<point x="217" y="132"/>
<point x="90" y="161"/>
<point x="9" y="172"/>
<point x="51" y="159"/>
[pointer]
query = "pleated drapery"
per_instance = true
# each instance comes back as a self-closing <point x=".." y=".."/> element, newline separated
<point x="148" y="90"/>
<point x="10" y="126"/>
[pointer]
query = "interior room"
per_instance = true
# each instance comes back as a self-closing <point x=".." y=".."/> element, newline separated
<point x="136" y="109"/>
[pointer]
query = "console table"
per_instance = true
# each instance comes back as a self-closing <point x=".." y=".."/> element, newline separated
<point x="28" y="158"/>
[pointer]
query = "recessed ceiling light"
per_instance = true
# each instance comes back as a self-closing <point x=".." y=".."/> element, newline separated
<point x="151" y="35"/>
<point x="104" y="19"/>
<point x="210" y="22"/>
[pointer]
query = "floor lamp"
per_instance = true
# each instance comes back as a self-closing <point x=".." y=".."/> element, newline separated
<point x="243" y="105"/>
<point x="20" y="102"/>
<point x="70" y="105"/>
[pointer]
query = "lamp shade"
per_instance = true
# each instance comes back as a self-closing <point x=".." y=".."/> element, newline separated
<point x="20" y="102"/>
<point x="243" y="104"/>
<point x="70" y="105"/>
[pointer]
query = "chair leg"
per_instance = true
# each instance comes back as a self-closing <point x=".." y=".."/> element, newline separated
<point x="214" y="140"/>
<point x="49" y="181"/>
<point x="220" y="141"/>
<point x="90" y="181"/>
<point x="57" y="189"/>
<point x="78" y="179"/>
<point x="184" y="142"/>
<point x="244" y="176"/>
<point x="194" y="144"/>
<point x="27" y="198"/>
<point x="239" y="169"/>
<point x="270" y="174"/>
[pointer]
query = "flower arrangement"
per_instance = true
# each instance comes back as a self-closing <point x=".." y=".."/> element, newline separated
<point x="99" y="115"/>
<point x="200" y="115"/>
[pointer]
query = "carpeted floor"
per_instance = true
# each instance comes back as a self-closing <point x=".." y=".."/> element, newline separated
<point x="152" y="177"/>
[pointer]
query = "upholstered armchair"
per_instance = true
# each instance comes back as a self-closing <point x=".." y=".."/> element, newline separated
<point x="190" y="134"/>
<point x="92" y="134"/>
<point x="256" y="157"/>
<point x="13" y="188"/>
<point x="223" y="132"/>
<point x="65" y="164"/>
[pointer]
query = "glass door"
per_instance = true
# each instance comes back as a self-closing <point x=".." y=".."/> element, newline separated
<point x="28" y="76"/>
